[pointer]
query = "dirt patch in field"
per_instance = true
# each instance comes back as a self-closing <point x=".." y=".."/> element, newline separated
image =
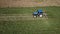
<point x="28" y="3"/>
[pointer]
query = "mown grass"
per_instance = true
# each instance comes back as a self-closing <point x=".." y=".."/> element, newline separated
<point x="21" y="10"/>
<point x="42" y="26"/>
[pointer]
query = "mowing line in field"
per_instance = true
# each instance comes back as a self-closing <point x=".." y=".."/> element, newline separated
<point x="16" y="17"/>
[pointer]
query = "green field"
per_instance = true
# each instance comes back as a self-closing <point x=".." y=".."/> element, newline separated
<point x="29" y="25"/>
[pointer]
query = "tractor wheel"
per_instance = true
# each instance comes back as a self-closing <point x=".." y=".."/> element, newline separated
<point x="35" y="16"/>
<point x="40" y="15"/>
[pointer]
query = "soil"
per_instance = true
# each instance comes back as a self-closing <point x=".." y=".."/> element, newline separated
<point x="28" y="3"/>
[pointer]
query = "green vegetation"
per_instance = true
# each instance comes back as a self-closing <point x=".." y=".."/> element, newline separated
<point x="42" y="26"/>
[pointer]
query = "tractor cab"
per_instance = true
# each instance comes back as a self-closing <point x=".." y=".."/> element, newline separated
<point x="40" y="12"/>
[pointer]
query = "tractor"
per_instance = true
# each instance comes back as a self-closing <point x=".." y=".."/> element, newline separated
<point x="38" y="13"/>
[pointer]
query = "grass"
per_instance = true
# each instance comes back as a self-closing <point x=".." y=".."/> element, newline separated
<point x="42" y="26"/>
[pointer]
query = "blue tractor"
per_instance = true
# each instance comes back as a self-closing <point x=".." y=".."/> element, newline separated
<point x="38" y="13"/>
